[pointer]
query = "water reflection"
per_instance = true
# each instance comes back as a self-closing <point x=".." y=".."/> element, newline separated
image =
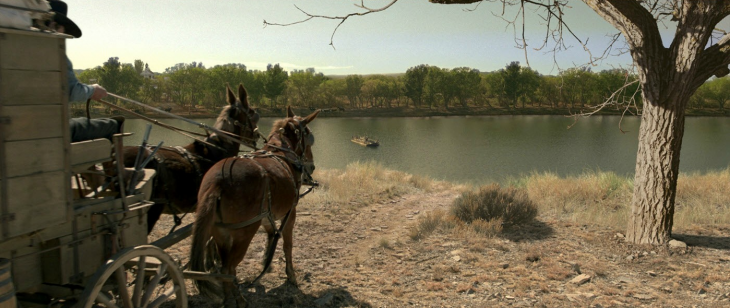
<point x="482" y="149"/>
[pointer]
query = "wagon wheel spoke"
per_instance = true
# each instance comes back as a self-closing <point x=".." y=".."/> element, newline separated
<point x="139" y="282"/>
<point x="142" y="276"/>
<point x="156" y="303"/>
<point x="122" y="291"/>
<point x="150" y="290"/>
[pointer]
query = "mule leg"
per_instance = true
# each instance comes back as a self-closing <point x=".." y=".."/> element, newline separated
<point x="238" y="242"/>
<point x="269" y="241"/>
<point x="288" y="231"/>
<point x="153" y="215"/>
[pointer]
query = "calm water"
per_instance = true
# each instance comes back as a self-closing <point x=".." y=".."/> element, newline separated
<point x="481" y="149"/>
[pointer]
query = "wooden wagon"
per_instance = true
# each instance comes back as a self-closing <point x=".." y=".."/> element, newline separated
<point x="61" y="243"/>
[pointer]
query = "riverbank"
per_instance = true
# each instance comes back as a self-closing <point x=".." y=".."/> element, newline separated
<point x="354" y="246"/>
<point x="421" y="112"/>
<point x="467" y="111"/>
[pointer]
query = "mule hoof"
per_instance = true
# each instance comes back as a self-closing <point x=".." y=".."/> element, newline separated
<point x="241" y="302"/>
<point x="237" y="302"/>
<point x="292" y="281"/>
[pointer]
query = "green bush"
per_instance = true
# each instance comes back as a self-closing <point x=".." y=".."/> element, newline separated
<point x="492" y="202"/>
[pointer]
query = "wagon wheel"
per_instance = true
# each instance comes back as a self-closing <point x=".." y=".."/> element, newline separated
<point x="159" y="280"/>
<point x="213" y="263"/>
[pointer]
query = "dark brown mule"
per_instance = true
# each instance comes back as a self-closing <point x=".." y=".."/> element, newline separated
<point x="180" y="169"/>
<point x="242" y="193"/>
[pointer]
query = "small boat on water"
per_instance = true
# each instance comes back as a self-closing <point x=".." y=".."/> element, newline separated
<point x="365" y="141"/>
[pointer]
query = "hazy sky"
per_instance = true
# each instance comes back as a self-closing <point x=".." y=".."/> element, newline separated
<point x="411" y="32"/>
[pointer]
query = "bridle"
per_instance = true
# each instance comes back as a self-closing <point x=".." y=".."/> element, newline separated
<point x="240" y="128"/>
<point x="300" y="162"/>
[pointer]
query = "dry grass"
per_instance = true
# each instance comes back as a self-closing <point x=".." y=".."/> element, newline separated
<point x="596" y="197"/>
<point x="373" y="237"/>
<point x="703" y="199"/>
<point x="362" y="184"/>
<point x="601" y="198"/>
<point x="604" y="198"/>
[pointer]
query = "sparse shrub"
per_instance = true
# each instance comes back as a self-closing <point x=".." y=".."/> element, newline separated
<point x="487" y="227"/>
<point x="492" y="202"/>
<point x="384" y="243"/>
<point x="426" y="225"/>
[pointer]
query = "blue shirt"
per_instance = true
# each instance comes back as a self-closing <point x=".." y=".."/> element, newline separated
<point x="77" y="91"/>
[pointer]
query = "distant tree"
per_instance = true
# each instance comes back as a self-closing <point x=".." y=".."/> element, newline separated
<point x="466" y="83"/>
<point x="151" y="91"/>
<point x="353" y="89"/>
<point x="109" y="74"/>
<point x="494" y="85"/>
<point x="529" y="83"/>
<point x="719" y="91"/>
<point x="275" y="82"/>
<point x="414" y="82"/>
<point x="369" y="92"/>
<point x="511" y="77"/>
<point x="128" y="81"/>
<point x="435" y="84"/>
<point x="231" y="74"/>
<point x="699" y="98"/>
<point x="255" y="86"/>
<point x="396" y="91"/>
<point x="90" y="76"/>
<point x="328" y="92"/>
<point x="548" y="90"/>
<point x="138" y="66"/>
<point x="304" y="85"/>
<point x="483" y="93"/>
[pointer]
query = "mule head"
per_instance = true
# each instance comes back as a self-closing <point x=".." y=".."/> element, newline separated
<point x="238" y="119"/>
<point x="301" y="139"/>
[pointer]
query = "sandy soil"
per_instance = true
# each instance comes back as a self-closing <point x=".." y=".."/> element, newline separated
<point x="365" y="258"/>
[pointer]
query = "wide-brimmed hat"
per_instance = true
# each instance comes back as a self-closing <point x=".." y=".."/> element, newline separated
<point x="61" y="18"/>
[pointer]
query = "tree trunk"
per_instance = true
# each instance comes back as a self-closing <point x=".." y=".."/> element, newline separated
<point x="657" y="170"/>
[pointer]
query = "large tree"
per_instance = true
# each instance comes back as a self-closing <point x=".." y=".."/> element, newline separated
<point x="669" y="75"/>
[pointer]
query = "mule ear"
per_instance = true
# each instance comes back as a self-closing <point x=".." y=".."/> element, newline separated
<point x="230" y="96"/>
<point x="311" y="117"/>
<point x="243" y="96"/>
<point x="289" y="112"/>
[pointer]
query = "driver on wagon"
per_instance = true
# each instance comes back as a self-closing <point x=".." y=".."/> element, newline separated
<point x="82" y="128"/>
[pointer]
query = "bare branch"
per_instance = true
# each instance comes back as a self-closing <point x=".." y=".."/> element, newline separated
<point x="618" y="99"/>
<point x="341" y="18"/>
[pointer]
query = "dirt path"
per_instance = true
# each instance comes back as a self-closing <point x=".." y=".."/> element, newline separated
<point x="362" y="256"/>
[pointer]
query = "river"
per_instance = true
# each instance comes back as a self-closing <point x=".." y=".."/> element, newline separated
<point x="489" y="148"/>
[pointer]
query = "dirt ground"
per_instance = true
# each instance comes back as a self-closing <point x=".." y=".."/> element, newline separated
<point x="365" y="258"/>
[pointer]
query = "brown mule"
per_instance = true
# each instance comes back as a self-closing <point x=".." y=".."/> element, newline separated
<point x="180" y="169"/>
<point x="240" y="194"/>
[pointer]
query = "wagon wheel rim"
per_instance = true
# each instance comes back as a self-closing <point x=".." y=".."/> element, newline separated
<point x="147" y="288"/>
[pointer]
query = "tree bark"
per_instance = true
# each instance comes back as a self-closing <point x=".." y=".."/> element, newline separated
<point x="669" y="76"/>
<point x="657" y="170"/>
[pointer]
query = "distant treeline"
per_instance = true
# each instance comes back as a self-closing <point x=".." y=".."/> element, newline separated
<point x="424" y="86"/>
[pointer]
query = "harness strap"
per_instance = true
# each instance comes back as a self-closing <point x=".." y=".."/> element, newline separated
<point x="190" y="159"/>
<point x="243" y="224"/>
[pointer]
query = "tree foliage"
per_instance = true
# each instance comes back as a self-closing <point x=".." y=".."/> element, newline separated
<point x="424" y="86"/>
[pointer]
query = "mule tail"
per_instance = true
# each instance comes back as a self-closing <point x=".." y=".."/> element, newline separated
<point x="204" y="222"/>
